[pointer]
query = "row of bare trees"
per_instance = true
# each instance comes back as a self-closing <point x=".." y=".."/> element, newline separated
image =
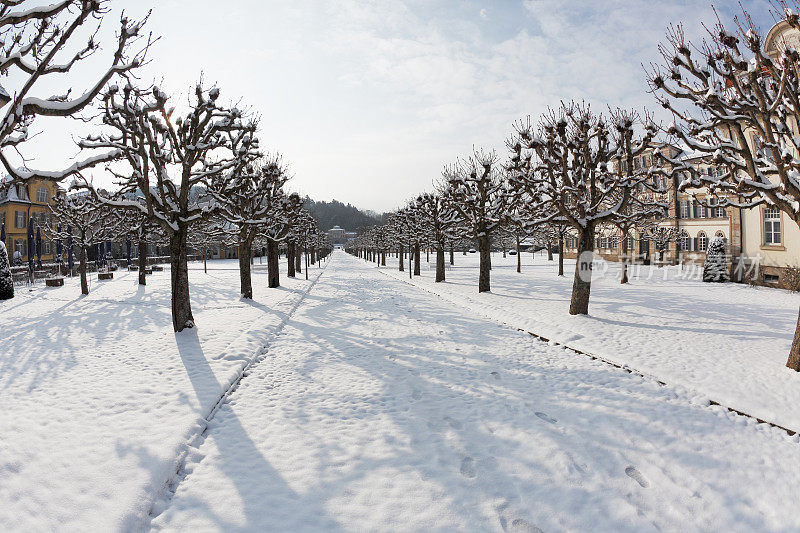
<point x="573" y="170"/>
<point x="188" y="179"/>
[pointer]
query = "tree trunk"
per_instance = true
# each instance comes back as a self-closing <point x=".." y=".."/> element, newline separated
<point x="519" y="256"/>
<point x="561" y="255"/>
<point x="400" y="256"/>
<point x="416" y="259"/>
<point x="452" y="256"/>
<point x="484" y="248"/>
<point x="383" y="257"/>
<point x="313" y="256"/>
<point x="427" y="254"/>
<point x="439" y="263"/>
<point x="298" y="259"/>
<point x="794" y="353"/>
<point x="291" y="249"/>
<point x="82" y="270"/>
<point x="549" y="250"/>
<point x="582" y="283"/>
<point x="142" y="262"/>
<point x="273" y="264"/>
<point x="181" y="304"/>
<point x="245" y="279"/>
<point x="624" y="278"/>
<point x="205" y="260"/>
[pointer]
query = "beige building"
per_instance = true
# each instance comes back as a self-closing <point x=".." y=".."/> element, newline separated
<point x="762" y="235"/>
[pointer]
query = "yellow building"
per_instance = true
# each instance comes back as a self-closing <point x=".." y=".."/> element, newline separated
<point x="18" y="205"/>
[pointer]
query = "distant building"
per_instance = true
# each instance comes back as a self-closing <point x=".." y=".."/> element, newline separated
<point x="337" y="235"/>
<point x="350" y="235"/>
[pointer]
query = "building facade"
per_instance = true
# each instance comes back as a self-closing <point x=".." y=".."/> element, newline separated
<point x="21" y="204"/>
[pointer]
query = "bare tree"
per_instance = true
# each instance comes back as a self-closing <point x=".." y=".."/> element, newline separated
<point x="748" y="111"/>
<point x="168" y="158"/>
<point x="476" y="189"/>
<point x="566" y="165"/>
<point x="83" y="220"/>
<point x="206" y="234"/>
<point x="438" y="217"/>
<point x="39" y="47"/>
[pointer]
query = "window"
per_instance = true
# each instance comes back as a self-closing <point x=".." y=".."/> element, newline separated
<point x="20" y="220"/>
<point x="699" y="209"/>
<point x="683" y="242"/>
<point x="683" y="209"/>
<point x="21" y="246"/>
<point x="772" y="226"/>
<point x="22" y="192"/>
<point x="721" y="235"/>
<point x="702" y="242"/>
<point x="41" y="195"/>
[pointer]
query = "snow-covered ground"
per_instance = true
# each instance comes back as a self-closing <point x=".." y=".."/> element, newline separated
<point x="728" y="342"/>
<point x="100" y="396"/>
<point x="380" y="407"/>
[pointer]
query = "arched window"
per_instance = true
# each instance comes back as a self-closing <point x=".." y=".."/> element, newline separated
<point x="702" y="242"/>
<point x="721" y="235"/>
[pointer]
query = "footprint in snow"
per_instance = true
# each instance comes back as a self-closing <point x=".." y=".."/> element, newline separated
<point x="496" y="375"/>
<point x="546" y="417"/>
<point x="523" y="526"/>
<point x="455" y="424"/>
<point x="416" y="394"/>
<point x="468" y="467"/>
<point x="637" y="476"/>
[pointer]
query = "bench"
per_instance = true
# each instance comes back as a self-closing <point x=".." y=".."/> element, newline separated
<point x="157" y="268"/>
<point x="54" y="282"/>
<point x="105" y="275"/>
<point x="148" y="271"/>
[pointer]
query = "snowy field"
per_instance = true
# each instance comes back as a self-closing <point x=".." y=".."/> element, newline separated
<point x="100" y="397"/>
<point x="382" y="408"/>
<point x="371" y="404"/>
<point x="726" y="342"/>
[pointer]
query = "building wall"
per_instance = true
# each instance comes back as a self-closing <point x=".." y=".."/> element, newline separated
<point x="11" y="203"/>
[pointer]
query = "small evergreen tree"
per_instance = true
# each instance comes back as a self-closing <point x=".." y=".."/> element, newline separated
<point x="6" y="283"/>
<point x="716" y="266"/>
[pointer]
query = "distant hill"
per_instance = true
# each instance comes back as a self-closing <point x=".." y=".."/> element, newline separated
<point x="335" y="213"/>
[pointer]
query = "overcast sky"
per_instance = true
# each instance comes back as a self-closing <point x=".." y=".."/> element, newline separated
<point x="367" y="100"/>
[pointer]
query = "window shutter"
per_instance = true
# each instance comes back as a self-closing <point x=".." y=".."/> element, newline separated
<point x="695" y="244"/>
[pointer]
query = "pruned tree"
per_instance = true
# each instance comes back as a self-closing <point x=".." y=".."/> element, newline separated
<point x="438" y="217"/>
<point x="39" y="47"/>
<point x="84" y="221"/>
<point x="167" y="157"/>
<point x="661" y="235"/>
<point x="208" y="233"/>
<point x="739" y="104"/>
<point x="476" y="189"/>
<point x="246" y="197"/>
<point x="284" y="211"/>
<point x="566" y="165"/>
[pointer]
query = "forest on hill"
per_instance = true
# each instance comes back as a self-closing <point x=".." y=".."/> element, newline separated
<point x="336" y="213"/>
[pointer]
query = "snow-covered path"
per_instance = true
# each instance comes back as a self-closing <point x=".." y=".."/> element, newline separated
<point x="382" y="407"/>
